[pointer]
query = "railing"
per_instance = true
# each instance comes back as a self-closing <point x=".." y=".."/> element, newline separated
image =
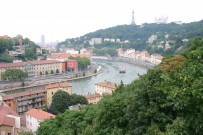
<point x="38" y="96"/>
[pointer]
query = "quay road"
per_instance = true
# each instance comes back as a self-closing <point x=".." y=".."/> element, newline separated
<point x="109" y="72"/>
<point x="47" y="79"/>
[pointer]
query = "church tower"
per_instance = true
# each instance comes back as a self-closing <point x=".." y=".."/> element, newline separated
<point x="133" y="20"/>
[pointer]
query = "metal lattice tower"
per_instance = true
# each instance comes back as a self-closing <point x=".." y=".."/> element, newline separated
<point x="133" y="20"/>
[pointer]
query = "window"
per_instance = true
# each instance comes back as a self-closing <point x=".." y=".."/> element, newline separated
<point x="9" y="104"/>
<point x="2" y="132"/>
<point x="52" y="93"/>
<point x="9" y="133"/>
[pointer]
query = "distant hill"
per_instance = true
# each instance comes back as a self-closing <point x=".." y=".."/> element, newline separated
<point x="138" y="35"/>
<point x="132" y="32"/>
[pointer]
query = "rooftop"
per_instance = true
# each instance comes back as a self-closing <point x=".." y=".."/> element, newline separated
<point x="89" y="96"/>
<point x="4" y="118"/>
<point x="63" y="85"/>
<point x="29" y="92"/>
<point x="19" y="64"/>
<point x="107" y="84"/>
<point x="39" y="114"/>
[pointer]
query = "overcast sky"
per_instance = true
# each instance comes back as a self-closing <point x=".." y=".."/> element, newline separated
<point x="62" y="19"/>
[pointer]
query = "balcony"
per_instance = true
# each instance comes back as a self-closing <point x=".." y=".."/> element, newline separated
<point x="32" y="97"/>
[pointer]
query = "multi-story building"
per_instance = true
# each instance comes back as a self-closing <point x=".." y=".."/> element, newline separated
<point x="34" y="67"/>
<point x="156" y="58"/>
<point x="105" y="87"/>
<point x="24" y="101"/>
<point x="107" y="39"/>
<point x="52" y="89"/>
<point x="93" y="98"/>
<point x="112" y="40"/>
<point x="24" y="66"/>
<point x="95" y="41"/>
<point x="34" y="117"/>
<point x="118" y="40"/>
<point x="72" y="64"/>
<point x="47" y="65"/>
<point x="9" y="121"/>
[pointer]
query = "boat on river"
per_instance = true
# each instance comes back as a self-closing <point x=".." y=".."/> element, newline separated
<point x="122" y="70"/>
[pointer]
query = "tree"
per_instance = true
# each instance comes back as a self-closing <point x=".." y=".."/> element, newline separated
<point x="46" y="72"/>
<point x="60" y="101"/>
<point x="26" y="133"/>
<point x="52" y="72"/>
<point x="78" y="99"/>
<point x="14" y="74"/>
<point x="57" y="71"/>
<point x="149" y="104"/>
<point x="41" y="73"/>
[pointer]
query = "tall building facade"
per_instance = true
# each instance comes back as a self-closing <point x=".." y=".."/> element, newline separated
<point x="42" y="40"/>
<point x="133" y="19"/>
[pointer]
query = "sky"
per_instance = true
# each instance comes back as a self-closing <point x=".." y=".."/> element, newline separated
<point x="62" y="19"/>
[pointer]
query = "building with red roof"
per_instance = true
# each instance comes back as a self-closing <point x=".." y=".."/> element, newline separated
<point x="93" y="98"/>
<point x="9" y="121"/>
<point x="72" y="64"/>
<point x="34" y="117"/>
<point x="34" y="68"/>
<point x="24" y="101"/>
<point x="52" y="89"/>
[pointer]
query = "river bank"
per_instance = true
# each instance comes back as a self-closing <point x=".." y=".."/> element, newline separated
<point x="127" y="60"/>
<point x="54" y="79"/>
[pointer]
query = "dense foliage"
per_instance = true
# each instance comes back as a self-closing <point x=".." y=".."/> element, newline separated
<point x="138" y="37"/>
<point x="62" y="100"/>
<point x="105" y="52"/>
<point x="83" y="62"/>
<point x="14" y="74"/>
<point x="161" y="102"/>
<point x="11" y="44"/>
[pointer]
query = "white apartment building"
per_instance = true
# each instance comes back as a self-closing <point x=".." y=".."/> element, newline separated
<point x="34" y="117"/>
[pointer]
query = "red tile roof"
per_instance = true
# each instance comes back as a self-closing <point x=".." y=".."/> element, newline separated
<point x="19" y="64"/>
<point x="44" y="62"/>
<point x="66" y="55"/>
<point x="29" y="92"/>
<point x="92" y="96"/>
<point x="39" y="114"/>
<point x="107" y="84"/>
<point x="58" y="85"/>
<point x="72" y="61"/>
<point x="6" y="120"/>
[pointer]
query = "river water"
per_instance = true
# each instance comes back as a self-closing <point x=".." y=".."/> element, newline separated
<point x="110" y="72"/>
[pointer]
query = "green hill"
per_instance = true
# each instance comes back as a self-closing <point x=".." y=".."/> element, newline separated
<point x="138" y="36"/>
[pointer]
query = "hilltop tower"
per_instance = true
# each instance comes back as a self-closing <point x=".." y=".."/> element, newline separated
<point x="133" y="20"/>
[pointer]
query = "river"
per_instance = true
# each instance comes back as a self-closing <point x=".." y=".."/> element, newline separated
<point x="110" y="72"/>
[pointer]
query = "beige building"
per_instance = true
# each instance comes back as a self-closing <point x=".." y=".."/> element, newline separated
<point x="52" y="89"/>
<point x="105" y="87"/>
<point x="93" y="98"/>
<point x="34" y="67"/>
